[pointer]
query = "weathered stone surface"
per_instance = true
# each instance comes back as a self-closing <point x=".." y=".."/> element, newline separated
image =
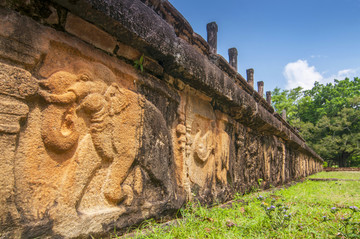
<point x="233" y="57"/>
<point x="127" y="52"/>
<point x="89" y="33"/>
<point x="153" y="66"/>
<point x="250" y="77"/>
<point x="16" y="82"/>
<point x="268" y="97"/>
<point x="90" y="143"/>
<point x="260" y="88"/>
<point x="212" y="30"/>
<point x="15" y="85"/>
<point x="16" y="44"/>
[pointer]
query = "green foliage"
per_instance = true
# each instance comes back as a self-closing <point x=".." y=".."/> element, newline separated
<point x="328" y="117"/>
<point x="345" y="223"/>
<point x="245" y="217"/>
<point x="276" y="211"/>
<point x="139" y="63"/>
<point x="287" y="100"/>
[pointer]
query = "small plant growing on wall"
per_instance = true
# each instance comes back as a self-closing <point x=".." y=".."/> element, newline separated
<point x="138" y="64"/>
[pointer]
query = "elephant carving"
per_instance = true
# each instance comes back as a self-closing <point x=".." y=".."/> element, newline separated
<point x="58" y="130"/>
<point x="112" y="117"/>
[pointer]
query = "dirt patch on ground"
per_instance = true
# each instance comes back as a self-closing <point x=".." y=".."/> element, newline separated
<point x="340" y="169"/>
<point x="332" y="179"/>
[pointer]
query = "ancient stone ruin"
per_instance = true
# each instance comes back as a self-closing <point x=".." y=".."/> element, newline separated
<point x="89" y="142"/>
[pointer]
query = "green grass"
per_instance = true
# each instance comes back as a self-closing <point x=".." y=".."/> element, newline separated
<point x="308" y="203"/>
<point x="339" y="175"/>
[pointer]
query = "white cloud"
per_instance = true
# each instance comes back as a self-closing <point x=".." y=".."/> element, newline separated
<point x="299" y="73"/>
<point x="346" y="72"/>
<point x="341" y="75"/>
<point x="318" y="56"/>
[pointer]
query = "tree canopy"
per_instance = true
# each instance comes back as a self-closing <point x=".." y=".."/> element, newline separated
<point x="327" y="116"/>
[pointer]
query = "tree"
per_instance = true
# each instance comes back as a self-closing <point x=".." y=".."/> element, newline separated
<point x="328" y="117"/>
<point x="287" y="100"/>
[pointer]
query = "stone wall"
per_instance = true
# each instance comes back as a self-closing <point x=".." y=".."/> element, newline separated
<point x="90" y="143"/>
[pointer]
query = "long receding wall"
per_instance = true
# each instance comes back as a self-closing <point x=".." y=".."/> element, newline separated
<point x="89" y="142"/>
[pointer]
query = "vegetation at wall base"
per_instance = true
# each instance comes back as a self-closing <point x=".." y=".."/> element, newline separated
<point x="321" y="209"/>
<point x="327" y="117"/>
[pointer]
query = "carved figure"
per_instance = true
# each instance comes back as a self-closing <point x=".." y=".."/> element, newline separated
<point x="203" y="146"/>
<point x="201" y="161"/>
<point x="16" y="85"/>
<point x="59" y="133"/>
<point x="103" y="106"/>
<point x="222" y="154"/>
<point x="181" y="133"/>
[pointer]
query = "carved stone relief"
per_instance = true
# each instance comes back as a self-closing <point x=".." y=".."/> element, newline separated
<point x="91" y="144"/>
<point x="181" y="147"/>
<point x="202" y="136"/>
<point x="92" y="149"/>
<point x="200" y="144"/>
<point x="77" y="156"/>
<point x="105" y="109"/>
<point x="16" y="85"/>
<point x="222" y="152"/>
<point x="201" y="155"/>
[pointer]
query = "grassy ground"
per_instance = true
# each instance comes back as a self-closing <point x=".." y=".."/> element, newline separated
<point x="339" y="175"/>
<point x="313" y="210"/>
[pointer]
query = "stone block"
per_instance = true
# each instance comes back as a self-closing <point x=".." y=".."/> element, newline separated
<point x="53" y="19"/>
<point x="127" y="52"/>
<point x="153" y="66"/>
<point x="16" y="82"/>
<point x="19" y="42"/>
<point x="90" y="33"/>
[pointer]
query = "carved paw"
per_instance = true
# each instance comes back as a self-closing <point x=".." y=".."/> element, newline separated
<point x="113" y="194"/>
<point x="116" y="195"/>
<point x="129" y="195"/>
<point x="44" y="94"/>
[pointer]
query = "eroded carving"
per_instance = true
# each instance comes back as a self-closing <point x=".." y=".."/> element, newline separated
<point x="75" y="99"/>
<point x="222" y="154"/>
<point x="181" y="133"/>
<point x="64" y="92"/>
<point x="16" y="85"/>
<point x="200" y="153"/>
<point x="207" y="147"/>
<point x="203" y="146"/>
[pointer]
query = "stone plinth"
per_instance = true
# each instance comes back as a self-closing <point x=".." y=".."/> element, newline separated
<point x="260" y="88"/>
<point x="233" y="53"/>
<point x="91" y="143"/>
<point x="268" y="97"/>
<point x="250" y="77"/>
<point x="212" y="29"/>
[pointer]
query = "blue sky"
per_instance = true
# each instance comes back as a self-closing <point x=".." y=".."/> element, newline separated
<point x="289" y="43"/>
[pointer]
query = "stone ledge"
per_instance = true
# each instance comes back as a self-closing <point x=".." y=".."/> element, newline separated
<point x="89" y="33"/>
<point x="158" y="38"/>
